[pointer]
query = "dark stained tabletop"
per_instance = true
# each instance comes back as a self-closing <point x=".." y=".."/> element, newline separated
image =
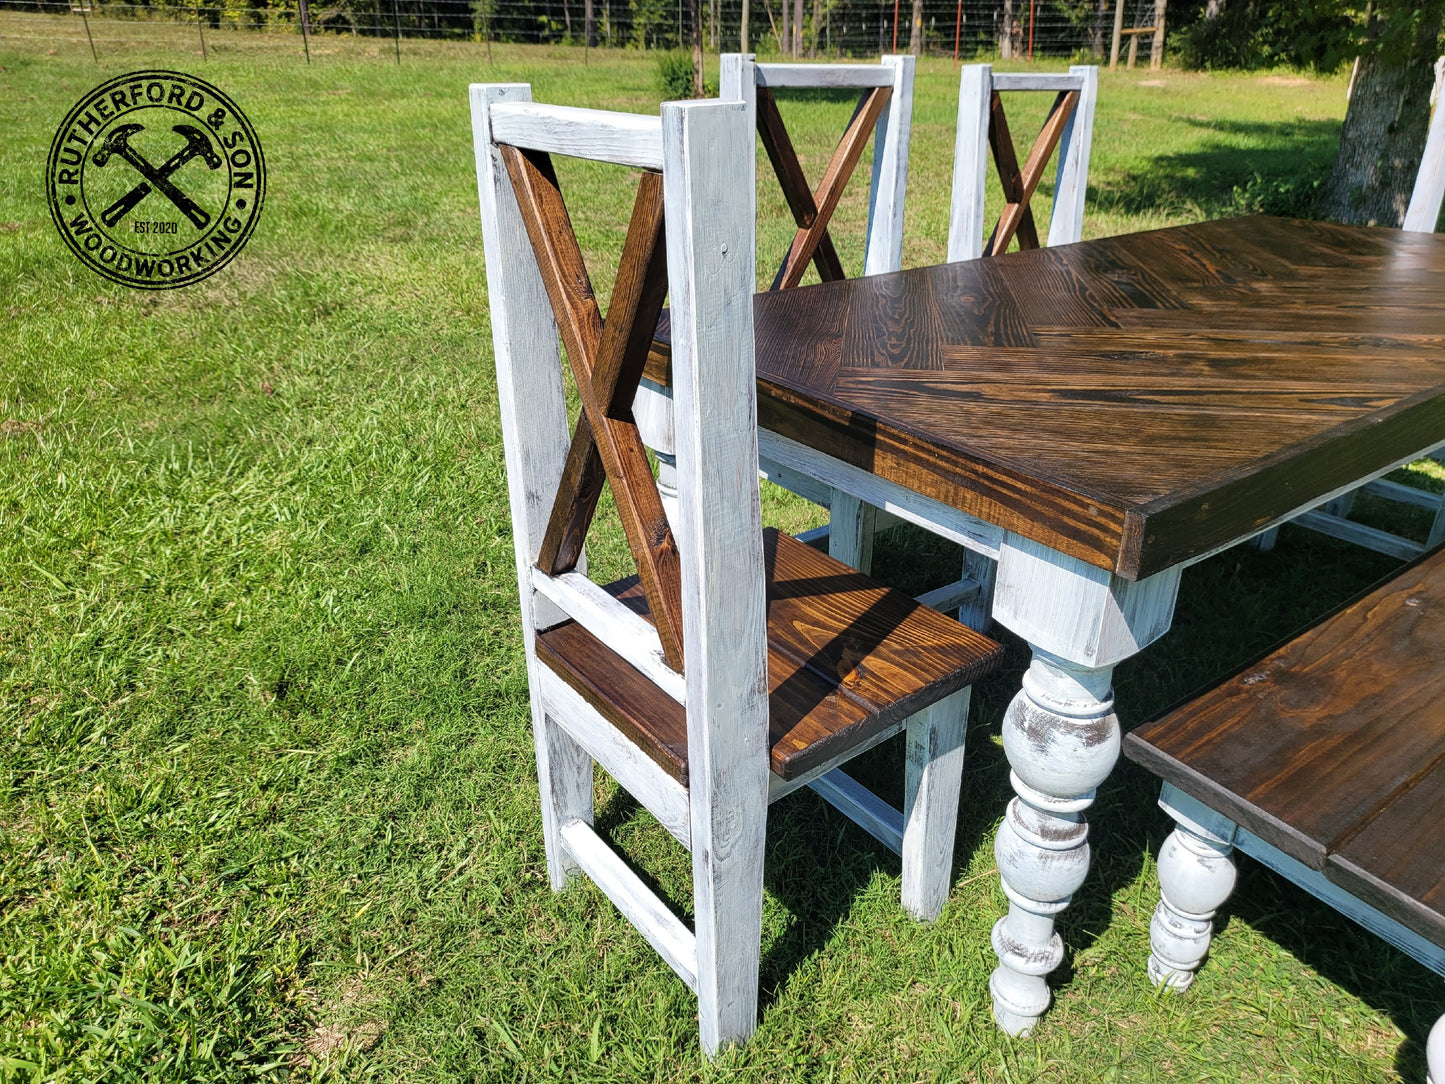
<point x="1133" y="401"/>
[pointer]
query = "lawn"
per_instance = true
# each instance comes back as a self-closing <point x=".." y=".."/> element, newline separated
<point x="269" y="806"/>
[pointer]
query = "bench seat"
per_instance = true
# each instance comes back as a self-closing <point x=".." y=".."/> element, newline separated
<point x="1326" y="761"/>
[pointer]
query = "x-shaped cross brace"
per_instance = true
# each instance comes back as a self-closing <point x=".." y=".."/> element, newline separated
<point x="607" y="359"/>
<point x="1019" y="185"/>
<point x="811" y="211"/>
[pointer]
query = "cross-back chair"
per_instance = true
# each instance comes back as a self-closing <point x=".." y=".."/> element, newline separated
<point x="1421" y="216"/>
<point x="738" y="665"/>
<point x="884" y="112"/>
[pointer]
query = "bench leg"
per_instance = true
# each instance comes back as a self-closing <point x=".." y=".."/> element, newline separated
<point x="933" y="776"/>
<point x="1196" y="875"/>
<point x="977" y="612"/>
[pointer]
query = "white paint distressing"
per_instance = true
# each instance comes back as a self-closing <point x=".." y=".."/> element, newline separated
<point x="1006" y="81"/>
<point x="970" y="163"/>
<point x="883" y="246"/>
<point x="823" y="75"/>
<point x="624" y="631"/>
<point x="711" y="274"/>
<point x="663" y="930"/>
<point x="1423" y="211"/>
<point x="626" y="139"/>
<point x="1196" y="875"/>
<point x="534" y="446"/>
<point x="660" y="794"/>
<point x="1062" y="739"/>
<point x="1071" y="182"/>
<point x="932" y="780"/>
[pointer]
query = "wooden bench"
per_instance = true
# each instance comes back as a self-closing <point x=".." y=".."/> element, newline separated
<point x="1325" y="761"/>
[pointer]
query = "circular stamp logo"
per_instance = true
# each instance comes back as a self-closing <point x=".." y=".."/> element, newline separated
<point x="156" y="179"/>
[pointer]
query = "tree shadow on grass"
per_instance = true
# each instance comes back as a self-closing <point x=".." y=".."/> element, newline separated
<point x="1241" y="167"/>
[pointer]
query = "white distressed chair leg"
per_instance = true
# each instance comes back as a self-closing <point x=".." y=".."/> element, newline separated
<point x="1196" y="875"/>
<point x="933" y="776"/>
<point x="1062" y="740"/>
<point x="851" y="526"/>
<point x="564" y="775"/>
<point x="1435" y="1053"/>
<point x="977" y="612"/>
<point x="711" y="272"/>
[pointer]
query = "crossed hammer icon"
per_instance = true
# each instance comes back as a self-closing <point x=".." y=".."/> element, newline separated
<point x="157" y="178"/>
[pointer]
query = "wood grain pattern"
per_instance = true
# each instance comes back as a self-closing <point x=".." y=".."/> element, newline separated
<point x="1132" y="401"/>
<point x="847" y="658"/>
<point x="1332" y="748"/>
<point x="607" y="362"/>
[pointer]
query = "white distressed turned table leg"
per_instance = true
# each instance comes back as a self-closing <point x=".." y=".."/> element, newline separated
<point x="1061" y="738"/>
<point x="1435" y="1053"/>
<point x="1196" y="875"/>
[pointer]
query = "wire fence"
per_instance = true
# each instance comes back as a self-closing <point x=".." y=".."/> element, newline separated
<point x="808" y="29"/>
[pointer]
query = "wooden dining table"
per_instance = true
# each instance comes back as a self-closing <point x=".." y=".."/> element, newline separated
<point x="1096" y="417"/>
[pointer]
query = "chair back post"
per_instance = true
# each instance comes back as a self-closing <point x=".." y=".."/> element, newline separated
<point x="1424" y="210"/>
<point x="1066" y="222"/>
<point x="970" y="163"/>
<point x="738" y="80"/>
<point x="711" y="275"/>
<point x="883" y="244"/>
<point x="534" y="439"/>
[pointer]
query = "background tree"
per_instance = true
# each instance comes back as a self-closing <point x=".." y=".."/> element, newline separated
<point x="1388" y="117"/>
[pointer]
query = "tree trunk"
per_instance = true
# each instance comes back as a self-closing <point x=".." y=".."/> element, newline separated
<point x="797" y="47"/>
<point x="698" y="87"/>
<point x="1383" y="137"/>
<point x="589" y="21"/>
<point x="785" y="39"/>
<point x="817" y="22"/>
<point x="1006" y="31"/>
<point x="915" y="29"/>
<point x="743" y="29"/>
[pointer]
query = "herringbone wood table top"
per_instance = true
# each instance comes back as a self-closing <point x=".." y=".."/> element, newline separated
<point x="1133" y="401"/>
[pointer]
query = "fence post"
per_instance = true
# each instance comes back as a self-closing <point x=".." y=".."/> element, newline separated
<point x="1118" y="32"/>
<point x="396" y="27"/>
<point x="305" y="12"/>
<point x="1156" y="50"/>
<point x="93" y="55"/>
<point x="201" y="31"/>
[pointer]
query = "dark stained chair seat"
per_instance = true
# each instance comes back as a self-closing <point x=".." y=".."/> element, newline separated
<point x="1332" y="748"/>
<point x="847" y="659"/>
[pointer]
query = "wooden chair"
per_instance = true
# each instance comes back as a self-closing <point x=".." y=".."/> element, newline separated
<point x="738" y="665"/>
<point x="884" y="111"/>
<point x="1325" y="761"/>
<point x="1421" y="216"/>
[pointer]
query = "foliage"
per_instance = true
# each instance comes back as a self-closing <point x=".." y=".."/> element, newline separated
<point x="1315" y="34"/>
<point x="654" y="24"/>
<point x="674" y="76"/>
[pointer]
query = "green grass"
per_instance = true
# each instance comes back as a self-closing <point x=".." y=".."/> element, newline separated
<point x="268" y="801"/>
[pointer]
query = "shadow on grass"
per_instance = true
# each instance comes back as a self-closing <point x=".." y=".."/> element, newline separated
<point x="1246" y="167"/>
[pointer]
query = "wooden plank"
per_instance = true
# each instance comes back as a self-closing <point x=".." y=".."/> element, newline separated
<point x="663" y="930"/>
<point x="1395" y="861"/>
<point x="619" y="756"/>
<point x="842" y="76"/>
<point x="618" y="442"/>
<point x="625" y="139"/>
<point x="1006" y="81"/>
<point x="1011" y="179"/>
<point x="1347" y="530"/>
<point x="1017" y="216"/>
<point x="796" y="189"/>
<point x="1324" y="734"/>
<point x="630" y="635"/>
<point x="707" y="146"/>
<point x="830" y="188"/>
<point x="533" y="412"/>
<point x="970" y="163"/>
<point x="864" y="808"/>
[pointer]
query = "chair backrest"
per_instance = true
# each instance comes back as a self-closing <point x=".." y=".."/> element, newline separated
<point x="982" y="126"/>
<point x="885" y="108"/>
<point x="690" y="241"/>
<point x="1424" y="210"/>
